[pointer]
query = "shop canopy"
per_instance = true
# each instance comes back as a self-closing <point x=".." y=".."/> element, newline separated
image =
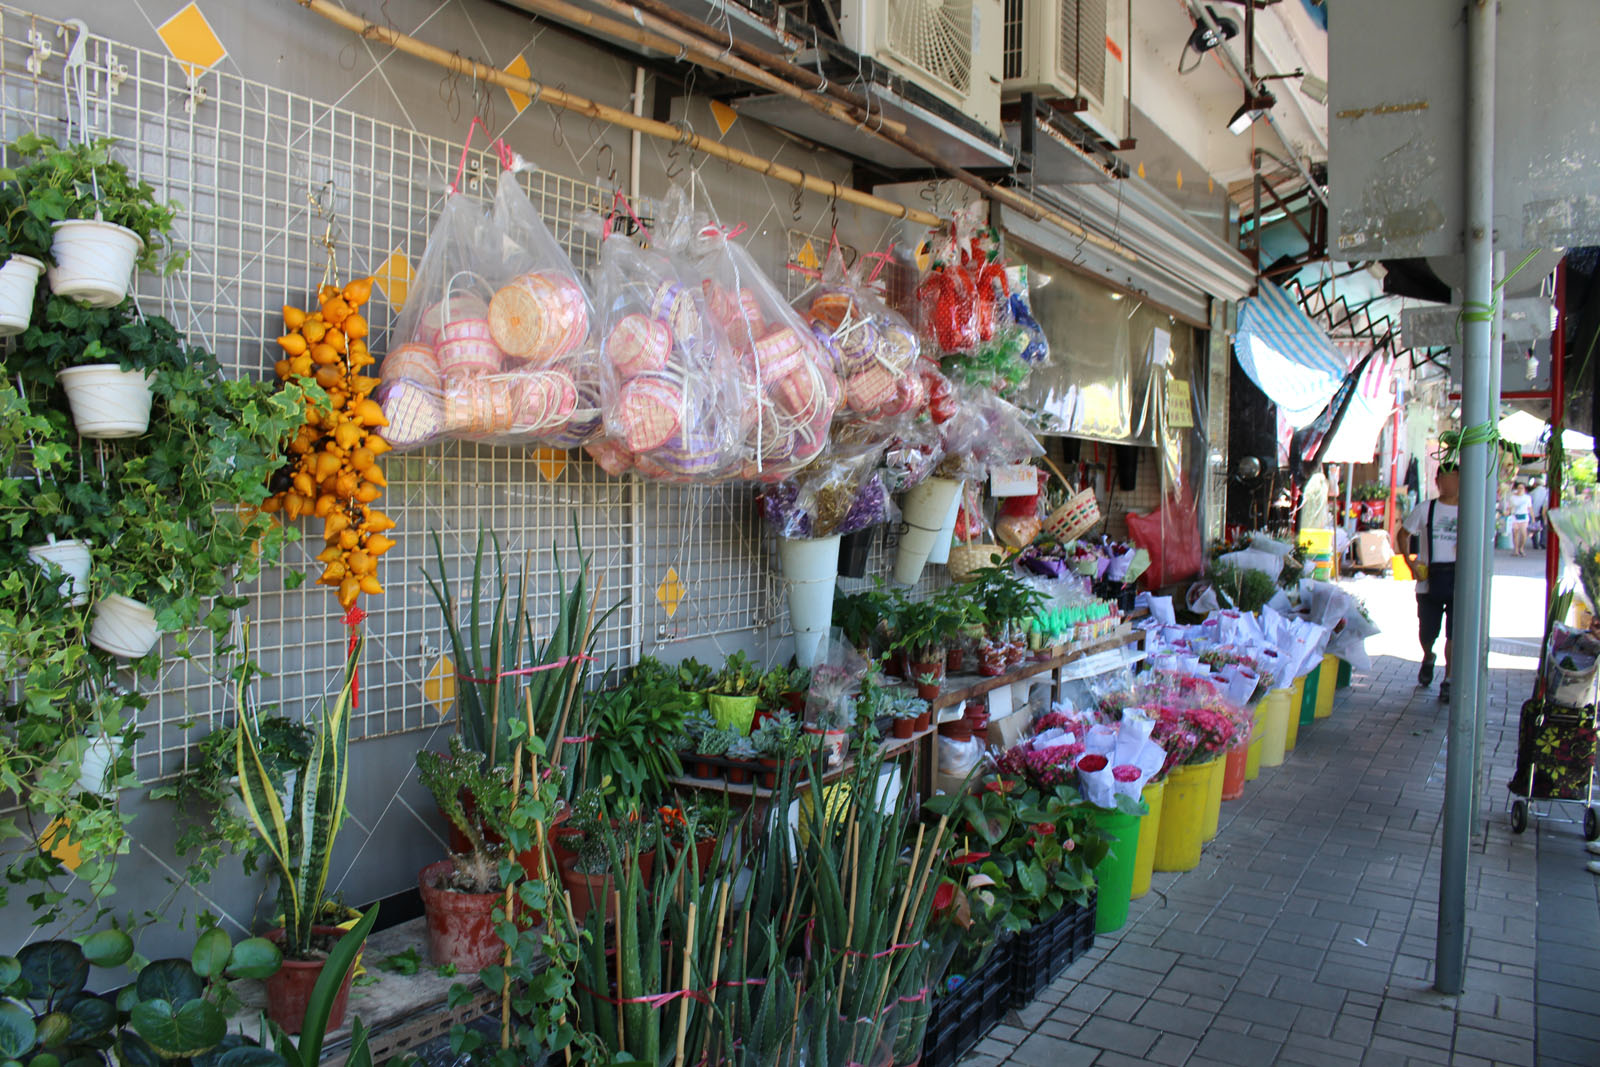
<point x="1529" y="432"/>
<point x="1370" y="410"/>
<point x="1287" y="355"/>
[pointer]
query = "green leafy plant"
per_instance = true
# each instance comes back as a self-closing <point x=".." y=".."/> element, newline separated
<point x="300" y="839"/>
<point x="782" y="737"/>
<point x="625" y="727"/>
<point x="83" y="181"/>
<point x="716" y="741"/>
<point x="208" y="797"/>
<point x="408" y="962"/>
<point x="739" y="677"/>
<point x="925" y="627"/>
<point x="864" y="615"/>
<point x="456" y="779"/>
<point x="173" y="1012"/>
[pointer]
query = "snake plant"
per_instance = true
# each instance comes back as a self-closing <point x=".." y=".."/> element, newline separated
<point x="299" y="838"/>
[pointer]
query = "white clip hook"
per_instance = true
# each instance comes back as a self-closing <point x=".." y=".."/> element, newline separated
<point x="41" y="52"/>
<point x="116" y="73"/>
<point x="74" y="75"/>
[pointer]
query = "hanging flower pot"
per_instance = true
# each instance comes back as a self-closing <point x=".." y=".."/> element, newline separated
<point x="107" y="401"/>
<point x="19" y="276"/>
<point x="94" y="261"/>
<point x="96" y="757"/>
<point x="810" y="570"/>
<point x="460" y="925"/>
<point x="124" y="626"/>
<point x="72" y="559"/>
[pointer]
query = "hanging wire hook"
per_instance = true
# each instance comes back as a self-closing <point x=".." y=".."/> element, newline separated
<point x="797" y="201"/>
<point x="449" y="94"/>
<point x="609" y="177"/>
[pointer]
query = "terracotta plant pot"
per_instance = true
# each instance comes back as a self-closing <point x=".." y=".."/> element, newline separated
<point x="587" y="891"/>
<point x="959" y="730"/>
<point x="924" y="720"/>
<point x="703" y="769"/>
<point x="929" y="691"/>
<point x="903" y="728"/>
<point x="955" y="660"/>
<point x="795" y="702"/>
<point x="532" y="861"/>
<point x="460" y="925"/>
<point x="768" y="778"/>
<point x="290" y="988"/>
<point x="739" y="775"/>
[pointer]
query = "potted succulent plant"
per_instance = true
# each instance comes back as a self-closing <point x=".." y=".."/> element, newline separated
<point x="460" y="894"/>
<point x="299" y="841"/>
<point x="742" y="750"/>
<point x="589" y="876"/>
<point x="99" y="221"/>
<point x="905" y="719"/>
<point x="928" y="683"/>
<point x="778" y="742"/>
<point x="734" y="694"/>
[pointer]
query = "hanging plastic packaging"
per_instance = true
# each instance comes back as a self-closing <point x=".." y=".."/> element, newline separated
<point x="492" y="342"/>
<point x="874" y="349"/>
<point x="670" y="386"/>
<point x="790" y="390"/>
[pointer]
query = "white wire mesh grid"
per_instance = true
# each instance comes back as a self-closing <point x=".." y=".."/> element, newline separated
<point x="244" y="162"/>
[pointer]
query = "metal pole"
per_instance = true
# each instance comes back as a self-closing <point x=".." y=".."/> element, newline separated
<point x="1558" y="420"/>
<point x="1482" y="608"/>
<point x="1450" y="957"/>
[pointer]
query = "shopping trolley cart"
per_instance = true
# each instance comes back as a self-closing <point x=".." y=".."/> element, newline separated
<point x="1556" y="734"/>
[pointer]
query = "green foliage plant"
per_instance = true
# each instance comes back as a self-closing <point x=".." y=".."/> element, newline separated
<point x="82" y="181"/>
<point x="454" y="778"/>
<point x="299" y="839"/>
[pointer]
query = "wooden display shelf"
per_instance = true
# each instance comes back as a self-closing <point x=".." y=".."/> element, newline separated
<point x="892" y="747"/>
<point x="971" y="686"/>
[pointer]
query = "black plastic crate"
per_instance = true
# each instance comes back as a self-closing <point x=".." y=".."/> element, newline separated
<point x="962" y="1017"/>
<point x="1044" y="951"/>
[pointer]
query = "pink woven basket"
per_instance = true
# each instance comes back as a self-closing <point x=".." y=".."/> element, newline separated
<point x="1074" y="518"/>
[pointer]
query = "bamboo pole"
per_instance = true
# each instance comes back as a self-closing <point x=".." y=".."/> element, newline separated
<point x="672" y="41"/>
<point x="616" y="116"/>
<point x="693" y="36"/>
<point x="683" y="1011"/>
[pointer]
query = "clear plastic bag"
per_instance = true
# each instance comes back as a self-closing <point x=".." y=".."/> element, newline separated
<point x="493" y="338"/>
<point x="790" y="391"/>
<point x="670" y="387"/>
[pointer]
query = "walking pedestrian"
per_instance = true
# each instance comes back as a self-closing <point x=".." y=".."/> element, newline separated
<point x="1540" y="493"/>
<point x="1433" y="524"/>
<point x="1519" y="509"/>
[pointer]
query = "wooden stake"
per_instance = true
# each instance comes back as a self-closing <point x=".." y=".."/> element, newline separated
<point x="683" y="1013"/>
<point x="622" y="1040"/>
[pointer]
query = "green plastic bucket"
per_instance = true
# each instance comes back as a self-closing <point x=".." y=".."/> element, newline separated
<point x="1308" y="697"/>
<point x="1114" y="876"/>
<point x="1345" y="671"/>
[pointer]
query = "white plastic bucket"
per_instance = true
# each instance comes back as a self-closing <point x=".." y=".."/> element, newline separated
<point x="19" y="276"/>
<point x="947" y="532"/>
<point x="923" y="507"/>
<point x="72" y="557"/>
<point x="94" y="261"/>
<point x="123" y="626"/>
<point x="106" y="400"/>
<point x="810" y="571"/>
<point x="97" y="761"/>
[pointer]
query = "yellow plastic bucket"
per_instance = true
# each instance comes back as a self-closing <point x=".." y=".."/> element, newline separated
<point x="1316" y="542"/>
<point x="1219" y="770"/>
<point x="1275" y="727"/>
<point x="1183" y="815"/>
<point x="1291" y="733"/>
<point x="1252" y="763"/>
<point x="1144" y="861"/>
<point x="1327" y="682"/>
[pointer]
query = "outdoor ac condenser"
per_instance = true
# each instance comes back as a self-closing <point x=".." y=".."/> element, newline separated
<point x="951" y="48"/>
<point x="1070" y="49"/>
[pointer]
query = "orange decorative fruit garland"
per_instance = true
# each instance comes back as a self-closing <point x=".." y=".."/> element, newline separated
<point x="333" y="472"/>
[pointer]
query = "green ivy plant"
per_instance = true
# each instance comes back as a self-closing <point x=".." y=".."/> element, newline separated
<point x="82" y="181"/>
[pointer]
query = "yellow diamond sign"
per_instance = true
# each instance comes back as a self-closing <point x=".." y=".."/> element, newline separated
<point x="549" y="462"/>
<point x="191" y="40"/>
<point x="519" y="68"/>
<point x="808" y="257"/>
<point x="439" y="687"/>
<point x="671" y="592"/>
<point x="724" y="115"/>
<point x="394" y="277"/>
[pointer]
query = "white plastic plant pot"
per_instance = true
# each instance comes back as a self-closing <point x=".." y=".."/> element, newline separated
<point x="73" y="560"/>
<point x="107" y="401"/>
<point x="97" y="764"/>
<point x="94" y="261"/>
<point x="19" y="276"/>
<point x="947" y="532"/>
<point x="923" y="507"/>
<point x="123" y="626"/>
<point x="810" y="572"/>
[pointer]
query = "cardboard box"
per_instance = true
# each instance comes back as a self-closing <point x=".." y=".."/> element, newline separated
<point x="1373" y="548"/>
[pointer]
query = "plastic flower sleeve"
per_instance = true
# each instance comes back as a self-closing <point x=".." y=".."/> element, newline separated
<point x="788" y="388"/>
<point x="669" y="387"/>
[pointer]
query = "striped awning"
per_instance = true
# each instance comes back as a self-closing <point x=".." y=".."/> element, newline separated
<point x="1287" y="355"/>
<point x="1369" y="412"/>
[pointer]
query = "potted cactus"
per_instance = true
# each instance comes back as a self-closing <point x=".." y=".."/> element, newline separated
<point x="744" y="751"/>
<point x="778" y="742"/>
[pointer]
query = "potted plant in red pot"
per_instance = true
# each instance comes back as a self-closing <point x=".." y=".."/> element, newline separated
<point x="713" y="742"/>
<point x="743" y="751"/>
<point x="589" y="878"/>
<point x="460" y="894"/>
<point x="905" y="720"/>
<point x="299" y="841"/>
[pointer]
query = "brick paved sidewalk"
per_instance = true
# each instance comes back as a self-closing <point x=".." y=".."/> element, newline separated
<point x="1306" y="935"/>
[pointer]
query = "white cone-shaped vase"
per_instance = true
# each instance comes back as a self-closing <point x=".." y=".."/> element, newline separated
<point x="810" y="572"/>
<point x="947" y="532"/>
<point x="923" y="507"/>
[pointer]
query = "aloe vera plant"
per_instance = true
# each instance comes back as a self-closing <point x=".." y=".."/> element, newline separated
<point x="299" y="839"/>
<point x="493" y="707"/>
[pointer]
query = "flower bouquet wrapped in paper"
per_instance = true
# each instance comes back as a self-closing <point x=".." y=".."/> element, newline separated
<point x="1578" y="526"/>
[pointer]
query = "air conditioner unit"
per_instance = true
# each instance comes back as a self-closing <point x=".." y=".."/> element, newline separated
<point x="951" y="48"/>
<point x="1070" y="50"/>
